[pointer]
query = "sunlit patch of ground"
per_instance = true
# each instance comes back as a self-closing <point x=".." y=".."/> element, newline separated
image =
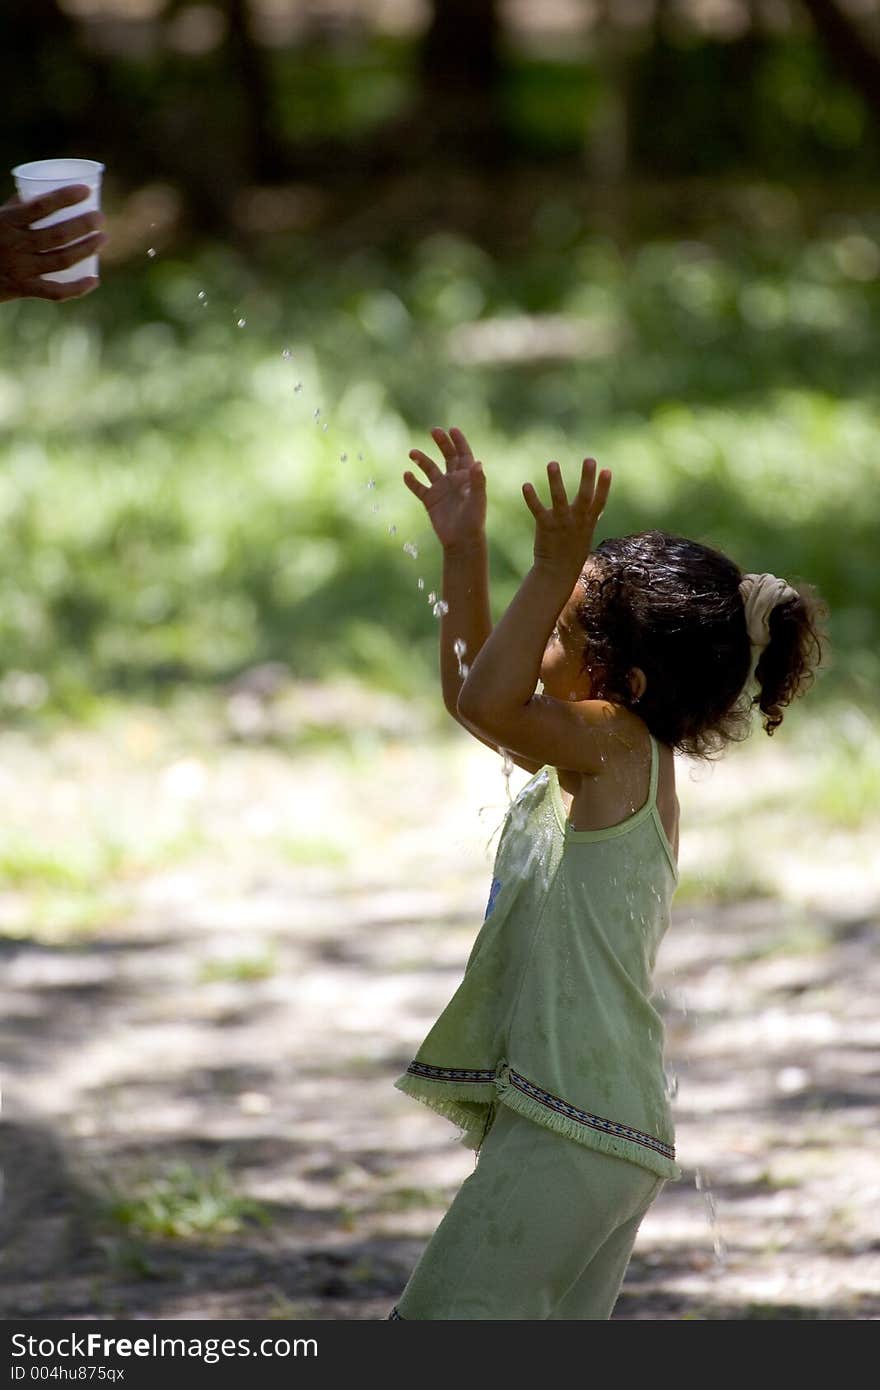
<point x="199" y="1116"/>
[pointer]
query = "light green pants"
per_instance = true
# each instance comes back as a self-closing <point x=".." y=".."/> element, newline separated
<point x="543" y="1228"/>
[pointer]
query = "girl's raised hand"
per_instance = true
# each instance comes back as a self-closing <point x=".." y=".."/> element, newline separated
<point x="455" y="500"/>
<point x="564" y="530"/>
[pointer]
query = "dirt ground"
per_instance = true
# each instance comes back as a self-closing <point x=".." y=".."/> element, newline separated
<point x="237" y="1011"/>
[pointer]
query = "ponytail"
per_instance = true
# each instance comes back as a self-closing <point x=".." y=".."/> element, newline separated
<point x="787" y="664"/>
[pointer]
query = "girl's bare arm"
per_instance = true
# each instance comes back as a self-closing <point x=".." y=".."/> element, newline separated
<point x="456" y="504"/>
<point x="498" y="699"/>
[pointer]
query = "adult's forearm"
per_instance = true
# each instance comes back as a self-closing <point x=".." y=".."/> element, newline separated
<point x="466" y="621"/>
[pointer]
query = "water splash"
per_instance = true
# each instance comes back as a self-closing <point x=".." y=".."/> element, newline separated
<point x="441" y="608"/>
<point x="411" y="549"/>
<point x="701" y="1182"/>
<point x="507" y="766"/>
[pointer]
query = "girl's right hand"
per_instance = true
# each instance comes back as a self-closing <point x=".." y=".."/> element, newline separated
<point x="455" y="500"/>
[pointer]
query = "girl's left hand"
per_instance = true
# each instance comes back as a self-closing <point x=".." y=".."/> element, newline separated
<point x="564" y="531"/>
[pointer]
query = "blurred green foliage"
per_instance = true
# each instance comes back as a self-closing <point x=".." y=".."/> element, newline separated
<point x="201" y="463"/>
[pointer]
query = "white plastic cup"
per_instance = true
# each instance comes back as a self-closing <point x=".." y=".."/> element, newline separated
<point x="44" y="176"/>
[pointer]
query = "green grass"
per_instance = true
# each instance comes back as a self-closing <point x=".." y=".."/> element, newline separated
<point x="731" y="880"/>
<point x="184" y="1203"/>
<point x="261" y="966"/>
<point x="173" y="511"/>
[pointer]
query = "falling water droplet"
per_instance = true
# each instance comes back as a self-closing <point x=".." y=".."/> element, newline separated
<point x="371" y="482"/>
<point x="411" y="549"/>
<point x="459" y="646"/>
<point x="441" y="608"/>
<point x="298" y="386"/>
<point x="242" y="323"/>
<point x="421" y="582"/>
<point x="432" y="597"/>
<point x="316" y="413"/>
<point x="324" y="426"/>
<point x="719" y="1245"/>
<point x="203" y="298"/>
<point x="506" y="770"/>
<point x="343" y="458"/>
<point x="151" y="251"/>
<point x="360" y="458"/>
<point x="286" y="354"/>
<point x="392" y="530"/>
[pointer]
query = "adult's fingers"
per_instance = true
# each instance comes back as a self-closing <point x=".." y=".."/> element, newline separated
<point x="66" y="256"/>
<point x="48" y="238"/>
<point x="25" y="214"/>
<point x="58" y="290"/>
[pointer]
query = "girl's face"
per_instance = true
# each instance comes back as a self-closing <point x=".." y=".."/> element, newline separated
<point x="562" y="667"/>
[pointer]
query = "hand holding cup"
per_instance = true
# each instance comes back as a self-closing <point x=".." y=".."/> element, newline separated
<point x="45" y="254"/>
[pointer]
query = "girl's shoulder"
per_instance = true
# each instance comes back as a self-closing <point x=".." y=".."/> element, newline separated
<point x="621" y="784"/>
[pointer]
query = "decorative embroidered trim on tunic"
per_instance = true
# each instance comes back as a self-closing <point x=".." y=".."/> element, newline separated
<point x="562" y="1107"/>
<point x="449" y="1073"/>
<point x="636" y="1136"/>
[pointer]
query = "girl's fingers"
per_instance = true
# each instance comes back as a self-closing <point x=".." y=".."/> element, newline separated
<point x="587" y="484"/>
<point x="416" y="487"/>
<point x="532" y="501"/>
<point x="557" y="487"/>
<point x="447" y="448"/>
<point x="465" y="452"/>
<point x="596" y="503"/>
<point x="427" y="465"/>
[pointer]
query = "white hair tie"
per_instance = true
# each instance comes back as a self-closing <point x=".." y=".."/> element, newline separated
<point x="761" y="593"/>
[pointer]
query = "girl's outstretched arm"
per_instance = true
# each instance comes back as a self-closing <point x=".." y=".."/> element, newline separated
<point x="455" y="500"/>
<point x="498" y="699"/>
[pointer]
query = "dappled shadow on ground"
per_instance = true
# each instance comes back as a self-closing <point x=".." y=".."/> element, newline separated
<point x="265" y="1088"/>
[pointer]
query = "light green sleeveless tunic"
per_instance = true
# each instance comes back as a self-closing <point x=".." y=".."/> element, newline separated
<point x="554" y="1016"/>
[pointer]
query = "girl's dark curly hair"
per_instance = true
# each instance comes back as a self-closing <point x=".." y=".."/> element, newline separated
<point x="673" y="608"/>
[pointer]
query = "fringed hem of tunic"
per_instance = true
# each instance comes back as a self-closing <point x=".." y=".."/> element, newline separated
<point x="467" y="1104"/>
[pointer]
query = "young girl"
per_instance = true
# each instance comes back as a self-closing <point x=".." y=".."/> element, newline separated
<point x="550" y="1053"/>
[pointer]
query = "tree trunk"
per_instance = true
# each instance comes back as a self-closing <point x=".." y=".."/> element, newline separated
<point x="848" y="50"/>
<point x="460" y="68"/>
<point x="251" y="79"/>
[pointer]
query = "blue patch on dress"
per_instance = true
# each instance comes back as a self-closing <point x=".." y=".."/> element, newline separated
<point x="493" y="894"/>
